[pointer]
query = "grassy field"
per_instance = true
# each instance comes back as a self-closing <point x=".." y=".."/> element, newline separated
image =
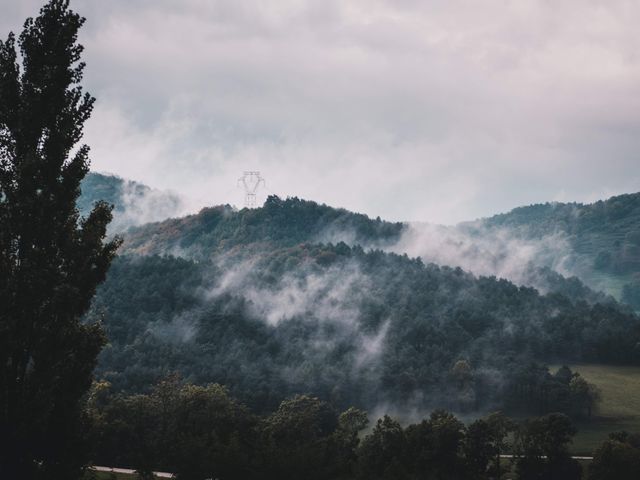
<point x="619" y="409"/>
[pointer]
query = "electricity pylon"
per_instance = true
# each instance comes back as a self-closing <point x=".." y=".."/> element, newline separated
<point x="250" y="181"/>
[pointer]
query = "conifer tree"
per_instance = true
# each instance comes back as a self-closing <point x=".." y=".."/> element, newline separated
<point x="51" y="261"/>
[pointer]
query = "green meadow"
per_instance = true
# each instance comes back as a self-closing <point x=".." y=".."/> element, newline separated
<point x="619" y="408"/>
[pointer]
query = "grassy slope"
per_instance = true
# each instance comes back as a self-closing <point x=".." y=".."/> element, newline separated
<point x="620" y="407"/>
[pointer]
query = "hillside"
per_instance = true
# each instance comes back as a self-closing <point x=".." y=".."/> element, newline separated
<point x="298" y="297"/>
<point x="278" y="224"/>
<point x="259" y="300"/>
<point x="599" y="244"/>
<point x="603" y="238"/>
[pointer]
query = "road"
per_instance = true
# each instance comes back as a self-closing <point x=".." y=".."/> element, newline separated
<point x="129" y="471"/>
<point x="544" y="456"/>
<point x="170" y="475"/>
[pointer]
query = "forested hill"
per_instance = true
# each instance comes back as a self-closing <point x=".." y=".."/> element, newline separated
<point x="277" y="224"/>
<point x="291" y="298"/>
<point x="298" y="297"/>
<point x="604" y="238"/>
<point x="598" y="243"/>
<point x="134" y="203"/>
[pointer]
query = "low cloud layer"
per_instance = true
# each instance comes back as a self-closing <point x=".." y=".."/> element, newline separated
<point x="332" y="298"/>
<point x="139" y="205"/>
<point x="433" y="111"/>
<point x="487" y="251"/>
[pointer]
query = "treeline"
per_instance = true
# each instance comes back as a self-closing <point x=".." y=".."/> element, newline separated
<point x="534" y="389"/>
<point x="200" y="432"/>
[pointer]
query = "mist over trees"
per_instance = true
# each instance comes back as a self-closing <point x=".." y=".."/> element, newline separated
<point x="251" y="343"/>
<point x="255" y="302"/>
<point x="603" y="239"/>
<point x="133" y="203"/>
<point x="51" y="260"/>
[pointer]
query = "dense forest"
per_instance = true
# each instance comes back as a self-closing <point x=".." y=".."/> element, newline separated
<point x="277" y="224"/>
<point x="255" y="300"/>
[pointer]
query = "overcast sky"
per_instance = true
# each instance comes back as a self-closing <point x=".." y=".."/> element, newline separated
<point x="438" y="111"/>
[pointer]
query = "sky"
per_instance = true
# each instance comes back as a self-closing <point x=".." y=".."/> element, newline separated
<point x="437" y="111"/>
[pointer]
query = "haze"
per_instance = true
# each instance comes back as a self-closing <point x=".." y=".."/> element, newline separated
<point x="435" y="111"/>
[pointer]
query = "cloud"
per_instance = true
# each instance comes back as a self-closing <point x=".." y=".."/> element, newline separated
<point x="181" y="329"/>
<point x="138" y="204"/>
<point x="329" y="295"/>
<point x="438" y="111"/>
<point x="329" y="298"/>
<point x="499" y="252"/>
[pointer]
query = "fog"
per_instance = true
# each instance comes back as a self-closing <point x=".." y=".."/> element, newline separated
<point x="140" y="204"/>
<point x="486" y="251"/>
<point x="328" y="298"/>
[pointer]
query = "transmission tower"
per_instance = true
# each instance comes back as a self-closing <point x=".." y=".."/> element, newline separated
<point x="250" y="181"/>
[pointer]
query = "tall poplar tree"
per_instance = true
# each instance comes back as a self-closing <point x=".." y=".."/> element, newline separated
<point x="51" y="261"/>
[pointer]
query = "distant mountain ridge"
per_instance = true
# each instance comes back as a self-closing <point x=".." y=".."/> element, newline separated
<point x="604" y="237"/>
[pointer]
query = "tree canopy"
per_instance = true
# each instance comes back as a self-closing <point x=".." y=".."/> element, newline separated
<point x="51" y="260"/>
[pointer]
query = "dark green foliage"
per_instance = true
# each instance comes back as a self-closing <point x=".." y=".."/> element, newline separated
<point x="542" y="450"/>
<point x="50" y="261"/>
<point x="201" y="432"/>
<point x="195" y="431"/>
<point x="618" y="457"/>
<point x="435" y="448"/>
<point x="297" y="440"/>
<point x="279" y="223"/>
<point x="533" y="389"/>
<point x="166" y="314"/>
<point x="382" y="454"/>
<point x="604" y="236"/>
<point x="485" y="441"/>
<point x="161" y="318"/>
